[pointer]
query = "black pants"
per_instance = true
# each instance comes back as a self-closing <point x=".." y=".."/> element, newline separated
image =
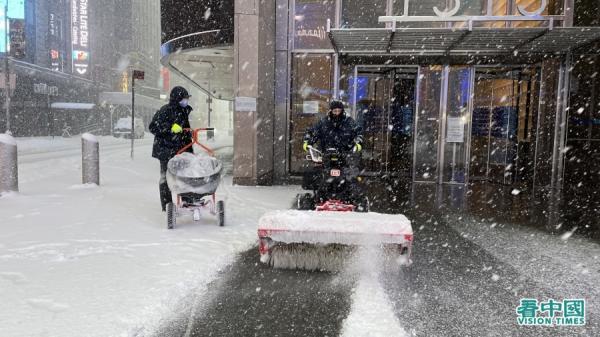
<point x="163" y="187"/>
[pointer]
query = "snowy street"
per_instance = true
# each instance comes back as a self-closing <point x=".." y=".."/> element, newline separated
<point x="81" y="260"/>
<point x="98" y="261"/>
<point x="300" y="168"/>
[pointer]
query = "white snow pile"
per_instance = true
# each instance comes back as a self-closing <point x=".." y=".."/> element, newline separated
<point x="89" y="137"/>
<point x="191" y="165"/>
<point x="7" y="139"/>
<point x="335" y="227"/>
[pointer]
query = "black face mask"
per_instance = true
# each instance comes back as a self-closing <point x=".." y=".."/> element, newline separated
<point x="336" y="117"/>
<point x="336" y="120"/>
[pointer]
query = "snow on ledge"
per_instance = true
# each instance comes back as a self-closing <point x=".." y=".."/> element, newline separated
<point x="83" y="186"/>
<point x="7" y="139"/>
<point x="89" y="137"/>
<point x="9" y="194"/>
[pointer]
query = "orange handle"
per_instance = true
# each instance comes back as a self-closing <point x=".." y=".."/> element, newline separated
<point x="195" y="133"/>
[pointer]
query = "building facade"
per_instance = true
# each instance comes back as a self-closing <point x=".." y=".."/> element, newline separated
<point x="447" y="92"/>
<point x="75" y="69"/>
<point x="199" y="56"/>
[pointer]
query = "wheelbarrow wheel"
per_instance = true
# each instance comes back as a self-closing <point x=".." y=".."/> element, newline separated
<point x="221" y="212"/>
<point x="171" y="217"/>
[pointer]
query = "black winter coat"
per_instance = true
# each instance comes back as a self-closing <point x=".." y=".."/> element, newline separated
<point x="167" y="143"/>
<point x="330" y="132"/>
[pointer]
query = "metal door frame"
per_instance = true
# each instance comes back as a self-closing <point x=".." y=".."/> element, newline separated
<point x="417" y="85"/>
<point x="443" y="123"/>
<point x="401" y="66"/>
<point x="520" y="68"/>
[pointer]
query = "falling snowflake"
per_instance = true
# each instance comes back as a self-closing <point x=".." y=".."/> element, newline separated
<point x="568" y="234"/>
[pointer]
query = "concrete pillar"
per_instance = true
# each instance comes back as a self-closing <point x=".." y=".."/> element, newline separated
<point x="90" y="159"/>
<point x="282" y="92"/>
<point x="9" y="173"/>
<point x="254" y="76"/>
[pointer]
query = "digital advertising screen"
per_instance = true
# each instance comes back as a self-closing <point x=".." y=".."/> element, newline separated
<point x="16" y="10"/>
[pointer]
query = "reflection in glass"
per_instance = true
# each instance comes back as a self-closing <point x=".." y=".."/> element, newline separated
<point x="312" y="87"/>
<point x="427" y="123"/>
<point x="362" y="13"/>
<point x="310" y="23"/>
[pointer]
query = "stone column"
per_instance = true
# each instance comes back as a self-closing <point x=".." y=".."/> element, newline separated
<point x="254" y="73"/>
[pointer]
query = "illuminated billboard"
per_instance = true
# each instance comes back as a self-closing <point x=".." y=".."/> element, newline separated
<point x="80" y="42"/>
<point x="16" y="10"/>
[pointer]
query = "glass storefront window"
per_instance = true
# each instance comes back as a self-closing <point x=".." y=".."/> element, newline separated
<point x="310" y="23"/>
<point x="362" y="13"/>
<point x="312" y="89"/>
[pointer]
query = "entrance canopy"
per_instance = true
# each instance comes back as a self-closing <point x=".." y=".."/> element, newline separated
<point x="466" y="40"/>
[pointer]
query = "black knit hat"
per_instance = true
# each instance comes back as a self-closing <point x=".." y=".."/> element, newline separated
<point x="336" y="105"/>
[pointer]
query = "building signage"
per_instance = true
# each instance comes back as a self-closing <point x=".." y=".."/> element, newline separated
<point x="54" y="39"/>
<point x="80" y="42"/>
<point x="456" y="130"/>
<point x="44" y="89"/>
<point x="16" y="10"/>
<point x="455" y="5"/>
<point x="310" y="24"/>
<point x="310" y="107"/>
<point x="17" y="38"/>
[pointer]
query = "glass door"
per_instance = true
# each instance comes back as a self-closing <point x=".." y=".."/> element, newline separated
<point x="373" y="114"/>
<point x="456" y="111"/>
<point x="427" y="124"/>
<point x="503" y="112"/>
<point x="442" y="123"/>
<point x="384" y="108"/>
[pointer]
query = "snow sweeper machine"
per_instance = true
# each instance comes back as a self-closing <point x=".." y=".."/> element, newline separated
<point x="330" y="223"/>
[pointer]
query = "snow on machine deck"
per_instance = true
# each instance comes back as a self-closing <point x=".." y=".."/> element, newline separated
<point x="285" y="235"/>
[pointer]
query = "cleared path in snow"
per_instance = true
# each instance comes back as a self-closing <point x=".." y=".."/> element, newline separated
<point x="254" y="300"/>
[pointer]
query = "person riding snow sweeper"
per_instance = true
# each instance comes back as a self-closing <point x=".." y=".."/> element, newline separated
<point x="327" y="226"/>
<point x="336" y="130"/>
<point x="338" y="137"/>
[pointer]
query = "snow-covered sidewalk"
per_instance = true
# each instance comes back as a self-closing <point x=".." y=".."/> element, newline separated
<point x="98" y="261"/>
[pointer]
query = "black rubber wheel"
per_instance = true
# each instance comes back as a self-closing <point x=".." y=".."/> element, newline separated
<point x="363" y="206"/>
<point x="305" y="202"/>
<point x="221" y="212"/>
<point x="171" y="219"/>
